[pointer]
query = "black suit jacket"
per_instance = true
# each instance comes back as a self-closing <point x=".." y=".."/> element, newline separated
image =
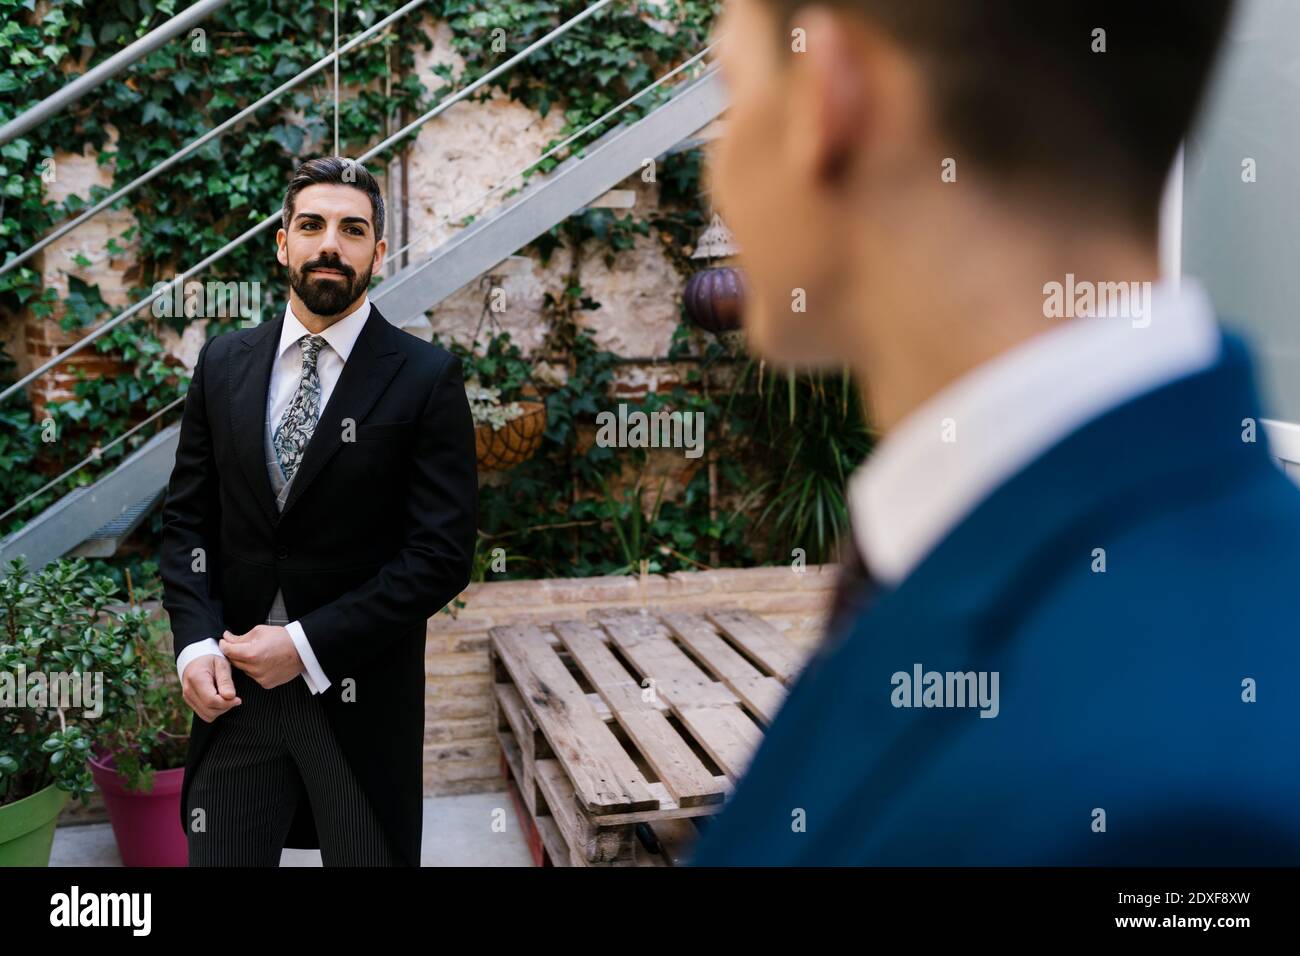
<point x="376" y="536"/>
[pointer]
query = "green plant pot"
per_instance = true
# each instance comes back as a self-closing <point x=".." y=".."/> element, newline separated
<point x="27" y="827"/>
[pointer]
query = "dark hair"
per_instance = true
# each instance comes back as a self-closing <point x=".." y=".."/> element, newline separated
<point x="335" y="169"/>
<point x="1017" y="88"/>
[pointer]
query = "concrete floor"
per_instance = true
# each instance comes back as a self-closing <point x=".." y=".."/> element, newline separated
<point x="458" y="831"/>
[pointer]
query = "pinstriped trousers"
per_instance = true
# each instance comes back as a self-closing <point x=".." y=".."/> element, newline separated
<point x="273" y="750"/>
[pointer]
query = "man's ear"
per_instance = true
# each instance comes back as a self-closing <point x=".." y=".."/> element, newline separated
<point x="828" y="95"/>
<point x="282" y="249"/>
<point x="381" y="250"/>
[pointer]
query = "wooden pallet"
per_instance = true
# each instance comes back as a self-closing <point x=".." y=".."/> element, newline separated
<point x="621" y="730"/>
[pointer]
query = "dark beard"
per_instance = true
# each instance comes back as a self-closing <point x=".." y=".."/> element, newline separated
<point x="327" y="297"/>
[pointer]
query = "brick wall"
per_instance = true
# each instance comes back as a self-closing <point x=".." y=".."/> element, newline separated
<point x="45" y="339"/>
<point x="77" y="174"/>
<point x="460" y="748"/>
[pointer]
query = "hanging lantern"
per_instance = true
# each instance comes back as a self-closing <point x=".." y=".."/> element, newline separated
<point x="714" y="296"/>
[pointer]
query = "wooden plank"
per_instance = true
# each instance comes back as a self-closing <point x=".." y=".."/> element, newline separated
<point x="525" y="817"/>
<point x="668" y="811"/>
<point x="589" y="840"/>
<point x="705" y="668"/>
<point x="603" y="776"/>
<point x="556" y="849"/>
<point x="521" y="771"/>
<point x="534" y="803"/>
<point x="763" y="643"/>
<point x="517" y="741"/>
<point x="707" y="708"/>
<point x="761" y="694"/>
<point x="683" y="773"/>
<point x="645" y="642"/>
<point x="604" y="713"/>
<point x="560" y="798"/>
<point x="511" y="706"/>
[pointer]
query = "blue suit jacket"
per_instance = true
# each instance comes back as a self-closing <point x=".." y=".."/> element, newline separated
<point x="1122" y="734"/>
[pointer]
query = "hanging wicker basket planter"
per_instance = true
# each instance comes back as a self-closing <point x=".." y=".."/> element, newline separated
<point x="514" y="442"/>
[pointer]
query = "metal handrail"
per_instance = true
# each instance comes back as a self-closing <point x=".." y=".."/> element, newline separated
<point x="109" y="68"/>
<point x="94" y="455"/>
<point x="145" y="468"/>
<point x="185" y="151"/>
<point x="406" y="274"/>
<point x="451" y="217"/>
<point x="181" y="279"/>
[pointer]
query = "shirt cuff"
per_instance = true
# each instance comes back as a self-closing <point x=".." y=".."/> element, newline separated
<point x="197" y="649"/>
<point x="312" y="673"/>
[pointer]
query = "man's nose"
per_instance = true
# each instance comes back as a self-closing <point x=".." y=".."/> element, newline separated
<point x="330" y="247"/>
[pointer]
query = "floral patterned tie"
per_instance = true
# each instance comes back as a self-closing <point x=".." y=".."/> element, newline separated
<point x="299" y="419"/>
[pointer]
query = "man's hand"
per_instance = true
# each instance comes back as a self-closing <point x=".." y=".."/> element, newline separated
<point x="208" y="688"/>
<point x="266" y="653"/>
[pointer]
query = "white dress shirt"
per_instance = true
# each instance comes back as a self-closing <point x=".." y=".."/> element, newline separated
<point x="286" y="373"/>
<point x="949" y="454"/>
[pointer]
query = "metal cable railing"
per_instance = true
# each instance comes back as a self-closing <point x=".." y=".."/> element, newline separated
<point x="75" y="89"/>
<point x="402" y="278"/>
<point x="457" y="214"/>
<point x="211" y="134"/>
<point x="460" y="212"/>
<point x="188" y="274"/>
<point x="93" y="456"/>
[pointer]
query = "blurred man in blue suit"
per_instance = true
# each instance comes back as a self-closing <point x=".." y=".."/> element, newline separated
<point x="1065" y="631"/>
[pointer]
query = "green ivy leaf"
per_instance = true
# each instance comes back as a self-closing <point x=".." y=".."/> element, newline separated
<point x="154" y="113"/>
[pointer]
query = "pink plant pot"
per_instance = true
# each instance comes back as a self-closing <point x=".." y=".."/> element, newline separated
<point x="147" y="826"/>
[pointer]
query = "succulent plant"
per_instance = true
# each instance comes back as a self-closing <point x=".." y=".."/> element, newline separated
<point x="485" y="405"/>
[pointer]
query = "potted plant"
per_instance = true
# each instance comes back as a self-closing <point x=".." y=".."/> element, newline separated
<point x="509" y="421"/>
<point x="79" y="681"/>
<point x="54" y="650"/>
<point x="505" y="433"/>
<point x="138" y="756"/>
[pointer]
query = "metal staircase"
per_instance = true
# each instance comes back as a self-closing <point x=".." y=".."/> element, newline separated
<point x="91" y="520"/>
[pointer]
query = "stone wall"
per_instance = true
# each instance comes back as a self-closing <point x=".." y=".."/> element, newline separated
<point x="475" y="146"/>
<point x="460" y="749"/>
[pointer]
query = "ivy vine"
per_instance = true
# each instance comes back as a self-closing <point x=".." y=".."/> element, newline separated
<point x="191" y="84"/>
